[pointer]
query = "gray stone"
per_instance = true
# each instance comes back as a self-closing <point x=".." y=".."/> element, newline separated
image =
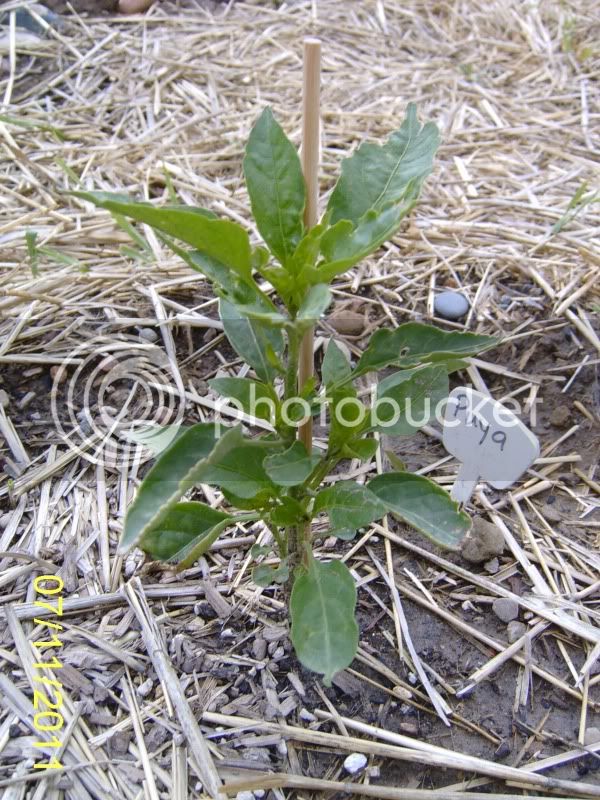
<point x="483" y="542"/>
<point x="4" y="399"/>
<point x="591" y="736"/>
<point x="355" y="762"/>
<point x="505" y="609"/>
<point x="148" y="334"/>
<point x="492" y="566"/>
<point x="259" y="648"/>
<point x="514" y="630"/>
<point x="25" y="20"/>
<point x="145" y="688"/>
<point x="451" y="305"/>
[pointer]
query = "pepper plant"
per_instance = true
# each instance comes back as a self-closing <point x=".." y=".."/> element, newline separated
<point x="269" y="297"/>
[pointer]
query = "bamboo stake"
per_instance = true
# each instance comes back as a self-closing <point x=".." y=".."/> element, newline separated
<point x="310" y="168"/>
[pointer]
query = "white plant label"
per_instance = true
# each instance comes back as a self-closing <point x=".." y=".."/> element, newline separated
<point x="491" y="443"/>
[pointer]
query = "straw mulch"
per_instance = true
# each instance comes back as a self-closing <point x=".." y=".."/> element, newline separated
<point x="172" y="684"/>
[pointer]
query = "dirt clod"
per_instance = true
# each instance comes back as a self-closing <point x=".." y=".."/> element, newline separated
<point x="483" y="542"/>
<point x="514" y="630"/>
<point x="561" y="417"/>
<point x="505" y="609"/>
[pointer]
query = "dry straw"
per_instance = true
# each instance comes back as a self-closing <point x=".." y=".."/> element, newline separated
<point x="159" y="693"/>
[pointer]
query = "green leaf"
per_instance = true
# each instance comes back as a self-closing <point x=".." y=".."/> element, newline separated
<point x="255" y="398"/>
<point x="313" y="306"/>
<point x="344" y="244"/>
<point x="375" y="176"/>
<point x="424" y="505"/>
<point x="292" y="467"/>
<point x="336" y="367"/>
<point x="185" y="525"/>
<point x="241" y="471"/>
<point x="360" y="448"/>
<point x="307" y="251"/>
<point x="288" y="512"/>
<point x="263" y="575"/>
<point x="324" y="630"/>
<point x="258" y="550"/>
<point x="407" y="400"/>
<point x="260" y="501"/>
<point x="179" y="467"/>
<point x="349" y="506"/>
<point x="219" y="239"/>
<point x="348" y="417"/>
<point x="275" y="186"/>
<point x="397" y="463"/>
<point x="414" y="343"/>
<point x="251" y="339"/>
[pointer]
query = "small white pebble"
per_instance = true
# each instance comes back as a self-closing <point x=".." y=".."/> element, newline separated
<point x="259" y="793"/>
<point x="145" y="688"/>
<point x="244" y="796"/>
<point x="355" y="762"/>
<point x="148" y="334"/>
<point x="412" y="678"/>
<point x="307" y="716"/>
<point x="4" y="399"/>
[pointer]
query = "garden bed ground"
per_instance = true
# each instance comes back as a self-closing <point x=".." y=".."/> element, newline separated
<point x="164" y="103"/>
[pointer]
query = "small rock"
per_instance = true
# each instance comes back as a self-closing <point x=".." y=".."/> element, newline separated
<point x="561" y="416"/>
<point x="551" y="513"/>
<point x="355" y="762"/>
<point x="136" y="7"/>
<point x="505" y="609"/>
<point x="119" y="743"/>
<point x="348" y="323"/>
<point x="148" y="334"/>
<point x="503" y="749"/>
<point x="244" y="796"/>
<point x="145" y="688"/>
<point x="25" y="20"/>
<point x="483" y="542"/>
<point x="58" y="373"/>
<point x="514" y="630"/>
<point x="4" y="399"/>
<point x="450" y="305"/>
<point x="278" y="653"/>
<point x="259" y="648"/>
<point x="492" y="566"/>
<point x="209" y="335"/>
<point x="591" y="736"/>
<point x="330" y="543"/>
<point x="306" y="716"/>
<point x="282" y="748"/>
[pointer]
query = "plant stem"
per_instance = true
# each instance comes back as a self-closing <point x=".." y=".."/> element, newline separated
<point x="291" y="373"/>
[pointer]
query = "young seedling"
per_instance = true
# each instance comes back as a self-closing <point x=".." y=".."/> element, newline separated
<point x="269" y="298"/>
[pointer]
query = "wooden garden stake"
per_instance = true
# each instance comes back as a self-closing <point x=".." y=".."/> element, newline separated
<point x="310" y="168"/>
